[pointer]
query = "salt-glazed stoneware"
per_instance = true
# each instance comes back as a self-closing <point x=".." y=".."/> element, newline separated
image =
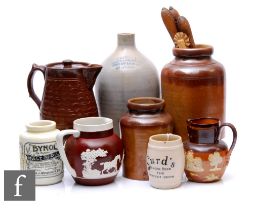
<point x="38" y="151"/>
<point x="165" y="161"/>
<point x="126" y="74"/>
<point x="193" y="86"/>
<point x="67" y="92"/>
<point x="93" y="153"/>
<point x="144" y="119"/>
<point x="206" y="155"/>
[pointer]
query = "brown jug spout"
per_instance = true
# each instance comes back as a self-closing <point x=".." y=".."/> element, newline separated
<point x="90" y="74"/>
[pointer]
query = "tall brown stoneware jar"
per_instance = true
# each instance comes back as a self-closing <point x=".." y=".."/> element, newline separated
<point x="144" y="119"/>
<point x="193" y="86"/>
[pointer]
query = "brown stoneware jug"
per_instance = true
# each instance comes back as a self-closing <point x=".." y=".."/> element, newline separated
<point x="144" y="119"/>
<point x="92" y="153"/>
<point x="193" y="85"/>
<point x="68" y="93"/>
<point x="206" y="156"/>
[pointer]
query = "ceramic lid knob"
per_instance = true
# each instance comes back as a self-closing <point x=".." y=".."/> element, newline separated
<point x="67" y="63"/>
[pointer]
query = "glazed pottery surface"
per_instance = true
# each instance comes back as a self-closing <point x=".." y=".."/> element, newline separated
<point x="193" y="85"/>
<point x="165" y="161"/>
<point x="144" y="119"/>
<point x="67" y="93"/>
<point x="38" y="151"/>
<point x="126" y="74"/>
<point x="93" y="153"/>
<point x="206" y="156"/>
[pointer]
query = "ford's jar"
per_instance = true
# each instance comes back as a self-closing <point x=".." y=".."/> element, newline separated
<point x="38" y="151"/>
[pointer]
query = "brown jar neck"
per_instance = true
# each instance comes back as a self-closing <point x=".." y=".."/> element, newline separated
<point x="145" y="111"/>
<point x="145" y="105"/>
<point x="95" y="135"/>
<point x="200" y="51"/>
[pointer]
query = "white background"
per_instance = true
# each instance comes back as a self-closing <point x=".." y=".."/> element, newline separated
<point x="33" y="31"/>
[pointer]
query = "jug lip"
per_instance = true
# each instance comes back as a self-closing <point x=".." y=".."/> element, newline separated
<point x="199" y="122"/>
<point x="69" y="64"/>
<point x="93" y="124"/>
<point x="201" y="50"/>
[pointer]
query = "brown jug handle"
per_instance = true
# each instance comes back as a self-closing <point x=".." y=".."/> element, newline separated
<point x="32" y="94"/>
<point x="232" y="127"/>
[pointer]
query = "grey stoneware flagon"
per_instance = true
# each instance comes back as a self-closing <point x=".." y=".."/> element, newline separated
<point x="126" y="74"/>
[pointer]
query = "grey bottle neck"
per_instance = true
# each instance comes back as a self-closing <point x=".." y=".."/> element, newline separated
<point x="126" y="40"/>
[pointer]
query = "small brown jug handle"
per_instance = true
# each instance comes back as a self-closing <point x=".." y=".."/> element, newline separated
<point x="234" y="136"/>
<point x="32" y="94"/>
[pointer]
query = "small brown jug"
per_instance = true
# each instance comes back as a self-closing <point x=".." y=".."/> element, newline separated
<point x="206" y="156"/>
<point x="67" y="93"/>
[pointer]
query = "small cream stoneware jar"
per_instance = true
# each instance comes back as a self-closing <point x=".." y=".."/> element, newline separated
<point x="38" y="151"/>
<point x="165" y="161"/>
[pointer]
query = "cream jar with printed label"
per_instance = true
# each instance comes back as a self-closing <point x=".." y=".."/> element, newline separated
<point x="165" y="160"/>
<point x="38" y="151"/>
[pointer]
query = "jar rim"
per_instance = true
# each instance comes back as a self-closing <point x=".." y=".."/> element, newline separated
<point x="200" y="50"/>
<point x="145" y="104"/>
<point x="165" y="140"/>
<point x="41" y="125"/>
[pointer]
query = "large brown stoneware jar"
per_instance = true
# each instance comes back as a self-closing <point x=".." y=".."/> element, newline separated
<point x="193" y="86"/>
<point x="144" y="119"/>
